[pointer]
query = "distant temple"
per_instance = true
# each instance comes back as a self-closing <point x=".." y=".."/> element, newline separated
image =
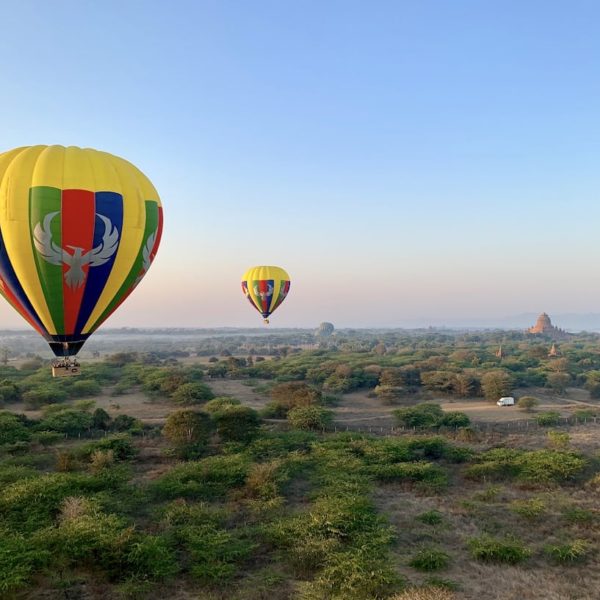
<point x="553" y="351"/>
<point x="543" y="326"/>
<point x="500" y="352"/>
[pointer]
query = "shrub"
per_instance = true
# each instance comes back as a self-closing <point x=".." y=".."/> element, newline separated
<point x="527" y="403"/>
<point x="192" y="393"/>
<point x="431" y="517"/>
<point x="237" y="423"/>
<point x="558" y="439"/>
<point x="489" y="549"/>
<point x="85" y="387"/>
<point x="100" y="419"/>
<point x="454" y="420"/>
<point x="529" y="509"/>
<point x="548" y="419"/>
<point x="68" y="420"/>
<point x="101" y="459"/>
<point x="126" y="423"/>
<point x="12" y="429"/>
<point x="422" y="416"/>
<point x="219" y="404"/>
<point x="309" y="417"/>
<point x="579" y="516"/>
<point x="187" y="428"/>
<point x="429" y="559"/>
<point x="39" y="396"/>
<point x="574" y="552"/>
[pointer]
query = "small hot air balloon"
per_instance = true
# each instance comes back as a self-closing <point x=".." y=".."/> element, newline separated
<point x="266" y="288"/>
<point x="79" y="229"/>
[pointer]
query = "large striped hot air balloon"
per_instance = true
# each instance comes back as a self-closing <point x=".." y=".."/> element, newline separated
<point x="79" y="229"/>
<point x="266" y="288"/>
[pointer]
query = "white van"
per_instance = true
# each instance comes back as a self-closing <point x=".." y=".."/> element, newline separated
<point x="506" y="401"/>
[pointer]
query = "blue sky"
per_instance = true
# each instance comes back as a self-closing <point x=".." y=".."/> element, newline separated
<point x="405" y="161"/>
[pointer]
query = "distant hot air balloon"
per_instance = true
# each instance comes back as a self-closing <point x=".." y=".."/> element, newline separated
<point x="79" y="229"/>
<point x="266" y="288"/>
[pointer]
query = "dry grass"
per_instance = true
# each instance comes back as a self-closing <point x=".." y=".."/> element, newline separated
<point x="74" y="507"/>
<point x="101" y="459"/>
<point x="424" y="593"/>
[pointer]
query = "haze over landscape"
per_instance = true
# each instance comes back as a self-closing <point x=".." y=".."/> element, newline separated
<point x="408" y="163"/>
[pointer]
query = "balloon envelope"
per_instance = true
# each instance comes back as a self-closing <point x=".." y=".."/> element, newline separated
<point x="79" y="229"/>
<point x="266" y="288"/>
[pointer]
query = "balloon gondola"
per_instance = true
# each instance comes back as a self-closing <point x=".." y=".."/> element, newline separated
<point x="79" y="229"/>
<point x="266" y="287"/>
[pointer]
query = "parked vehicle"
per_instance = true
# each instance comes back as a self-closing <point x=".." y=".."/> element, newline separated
<point x="506" y="401"/>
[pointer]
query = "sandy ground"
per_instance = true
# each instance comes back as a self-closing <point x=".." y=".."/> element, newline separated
<point x="241" y="390"/>
<point x="135" y="404"/>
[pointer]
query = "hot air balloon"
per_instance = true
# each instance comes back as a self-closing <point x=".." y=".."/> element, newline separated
<point x="266" y="288"/>
<point x="79" y="229"/>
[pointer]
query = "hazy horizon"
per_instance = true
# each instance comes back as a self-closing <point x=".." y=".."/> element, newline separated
<point x="405" y="162"/>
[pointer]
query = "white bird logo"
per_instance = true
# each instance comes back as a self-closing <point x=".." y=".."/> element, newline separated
<point x="146" y="257"/>
<point x="55" y="255"/>
<point x="264" y="295"/>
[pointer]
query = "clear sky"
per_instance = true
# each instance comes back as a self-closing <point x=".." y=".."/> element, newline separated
<point x="404" y="161"/>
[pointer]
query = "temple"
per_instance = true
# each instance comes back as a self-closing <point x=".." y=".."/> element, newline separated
<point x="543" y="326"/>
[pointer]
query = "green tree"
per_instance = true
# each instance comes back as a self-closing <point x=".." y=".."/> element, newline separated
<point x="527" y="403"/>
<point x="558" y="382"/>
<point x="309" y="417"/>
<point x="187" y="428"/>
<point x="496" y="383"/>
<point x="192" y="393"/>
<point x="237" y="423"/>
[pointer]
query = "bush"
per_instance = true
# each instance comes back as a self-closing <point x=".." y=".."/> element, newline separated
<point x="529" y="509"/>
<point x="489" y="549"/>
<point x="431" y="517"/>
<point x="422" y="416"/>
<point x="429" y="559"/>
<point x="309" y="417"/>
<point x="548" y="419"/>
<point x="527" y="403"/>
<point x="219" y="404"/>
<point x="574" y="552"/>
<point x="192" y="393"/>
<point x="558" y="439"/>
<point x="237" y="423"/>
<point x="187" y="428"/>
<point x="12" y="429"/>
<point x="39" y="396"/>
<point x="68" y="420"/>
<point x="455" y="420"/>
<point x="84" y="388"/>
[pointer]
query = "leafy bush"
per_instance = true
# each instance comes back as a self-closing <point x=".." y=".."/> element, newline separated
<point x="548" y="419"/>
<point x="192" y="393"/>
<point x="39" y="396"/>
<point x="186" y="428"/>
<point x="529" y="509"/>
<point x="576" y="551"/>
<point x="237" y="423"/>
<point x="422" y="416"/>
<point x="67" y="420"/>
<point x="538" y="467"/>
<point x="455" y="420"/>
<point x="431" y="517"/>
<point x="219" y="404"/>
<point x="85" y="387"/>
<point x="12" y="429"/>
<point x="489" y="549"/>
<point x="309" y="417"/>
<point x="206" y="479"/>
<point x="430" y="416"/>
<point x="558" y="439"/>
<point x="429" y="559"/>
<point x="527" y="403"/>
